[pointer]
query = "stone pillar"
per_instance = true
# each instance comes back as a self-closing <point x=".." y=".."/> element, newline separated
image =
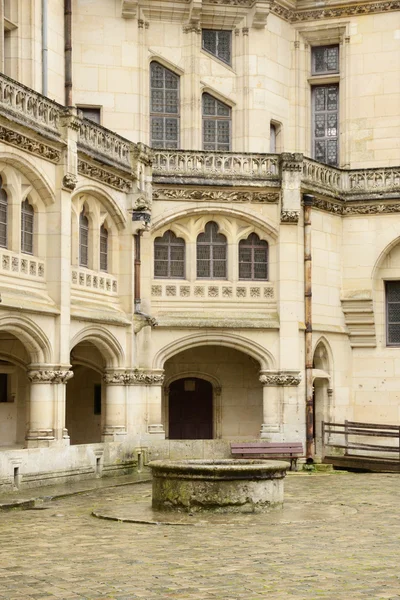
<point x="41" y="420"/>
<point x="114" y="426"/>
<point x="151" y="384"/>
<point x="273" y="381"/>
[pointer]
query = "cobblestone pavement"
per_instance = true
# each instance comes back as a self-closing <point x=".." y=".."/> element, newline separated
<point x="62" y="552"/>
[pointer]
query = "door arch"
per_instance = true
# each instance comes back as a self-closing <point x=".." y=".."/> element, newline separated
<point x="190" y="409"/>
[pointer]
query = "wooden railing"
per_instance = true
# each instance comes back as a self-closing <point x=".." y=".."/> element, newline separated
<point x="345" y="436"/>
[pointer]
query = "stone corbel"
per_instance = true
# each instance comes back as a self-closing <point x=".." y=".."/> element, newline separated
<point x="261" y="10"/>
<point x="129" y="8"/>
<point x="194" y="21"/>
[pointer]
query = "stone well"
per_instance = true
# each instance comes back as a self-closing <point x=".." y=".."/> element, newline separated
<point x="244" y="486"/>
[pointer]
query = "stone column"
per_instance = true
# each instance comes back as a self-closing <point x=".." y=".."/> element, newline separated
<point x="41" y="420"/>
<point x="114" y="426"/>
<point x="151" y="384"/>
<point x="273" y="381"/>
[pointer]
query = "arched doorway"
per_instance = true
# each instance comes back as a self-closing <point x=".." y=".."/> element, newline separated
<point x="190" y="411"/>
<point x="84" y="405"/>
<point x="321" y="394"/>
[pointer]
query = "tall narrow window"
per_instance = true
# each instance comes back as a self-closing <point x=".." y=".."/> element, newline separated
<point x="164" y="107"/>
<point x="169" y="256"/>
<point x="27" y="214"/>
<point x="218" y="43"/>
<point x="325" y="60"/>
<point x="83" y="240"/>
<point x="103" y="249"/>
<point x="253" y="258"/>
<point x="211" y="253"/>
<point x="325" y="123"/>
<point x="3" y="216"/>
<point x="216" y="124"/>
<point x="393" y="313"/>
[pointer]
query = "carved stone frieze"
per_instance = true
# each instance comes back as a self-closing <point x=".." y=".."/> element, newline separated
<point x="49" y="376"/>
<point x="30" y="145"/>
<point x="280" y="378"/>
<point x="290" y="216"/>
<point x="327" y="206"/>
<point x="215" y="195"/>
<point x="69" y="181"/>
<point x="94" y="172"/>
<point x="133" y="377"/>
<point x="296" y="16"/>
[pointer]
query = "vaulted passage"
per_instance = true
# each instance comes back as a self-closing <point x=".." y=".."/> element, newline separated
<point x="190" y="409"/>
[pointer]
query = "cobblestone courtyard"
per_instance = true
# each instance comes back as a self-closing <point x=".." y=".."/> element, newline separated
<point x="62" y="552"/>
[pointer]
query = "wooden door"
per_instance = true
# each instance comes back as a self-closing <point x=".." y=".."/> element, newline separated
<point x="190" y="409"/>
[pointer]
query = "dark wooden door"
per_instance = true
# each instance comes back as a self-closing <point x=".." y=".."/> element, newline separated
<point x="190" y="410"/>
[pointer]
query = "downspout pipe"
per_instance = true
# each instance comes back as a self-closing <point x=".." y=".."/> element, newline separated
<point x="308" y="203"/>
<point x="45" y="48"/>
<point x="68" y="51"/>
<point x="137" y="275"/>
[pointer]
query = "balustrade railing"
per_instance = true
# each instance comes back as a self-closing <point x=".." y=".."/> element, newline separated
<point x="385" y="179"/>
<point x="97" y="139"/>
<point x="29" y="105"/>
<point x="322" y="176"/>
<point x="193" y="163"/>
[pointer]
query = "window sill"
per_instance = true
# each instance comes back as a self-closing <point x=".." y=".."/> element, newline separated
<point x="324" y="79"/>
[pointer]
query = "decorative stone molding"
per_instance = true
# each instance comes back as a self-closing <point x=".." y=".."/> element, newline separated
<point x="290" y="216"/>
<point x="133" y="377"/>
<point x="30" y="145"/>
<point x="94" y="172"/>
<point x="95" y="280"/>
<point x="69" y="182"/>
<point x="328" y="206"/>
<point x="142" y="153"/>
<point x="216" y="195"/>
<point x="297" y="16"/>
<point x="291" y="161"/>
<point x="40" y="435"/>
<point x="28" y="105"/>
<point x="280" y="378"/>
<point x="358" y="310"/>
<point x="129" y="9"/>
<point x="49" y="376"/>
<point x="229" y="293"/>
<point x="98" y="141"/>
<point x="21" y="265"/>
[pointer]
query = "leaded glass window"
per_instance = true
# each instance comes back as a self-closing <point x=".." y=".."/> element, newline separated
<point x="27" y="227"/>
<point x="169" y="256"/>
<point x="103" y="249"/>
<point x="3" y="216"/>
<point x="326" y="124"/>
<point x="393" y="313"/>
<point x="325" y="59"/>
<point x="211" y="253"/>
<point x="216" y="124"/>
<point x="253" y="258"/>
<point x="164" y="107"/>
<point x="218" y="43"/>
<point x="83" y="240"/>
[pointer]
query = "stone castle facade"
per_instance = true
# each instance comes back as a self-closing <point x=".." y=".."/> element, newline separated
<point x="155" y="162"/>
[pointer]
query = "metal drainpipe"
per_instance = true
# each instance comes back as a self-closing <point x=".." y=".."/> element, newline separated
<point x="137" y="267"/>
<point x="44" y="48"/>
<point x="68" y="51"/>
<point x="308" y="202"/>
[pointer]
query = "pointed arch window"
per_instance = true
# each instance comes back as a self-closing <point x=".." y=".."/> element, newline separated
<point x="164" y="107"/>
<point x="103" y="248"/>
<point x="211" y="253"/>
<point x="253" y="258"/>
<point x="3" y="215"/>
<point x="83" y="240"/>
<point x="169" y="256"/>
<point x="216" y="124"/>
<point x="27" y="220"/>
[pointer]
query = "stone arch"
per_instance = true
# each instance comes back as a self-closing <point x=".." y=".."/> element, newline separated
<point x="325" y="360"/>
<point x="382" y="257"/>
<point x="260" y="354"/>
<point x="110" y="204"/>
<point x="35" y="175"/>
<point x="105" y="342"/>
<point x="264" y="223"/>
<point x="31" y="335"/>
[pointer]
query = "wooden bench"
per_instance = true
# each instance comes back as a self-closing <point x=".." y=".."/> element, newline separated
<point x="287" y="450"/>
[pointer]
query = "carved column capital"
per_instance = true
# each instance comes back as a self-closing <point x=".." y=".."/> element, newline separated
<point x="145" y="377"/>
<point x="280" y="378"/>
<point x="49" y="375"/>
<point x="115" y="377"/>
<point x="290" y="216"/>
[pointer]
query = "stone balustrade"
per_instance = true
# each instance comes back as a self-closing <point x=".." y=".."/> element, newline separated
<point x="29" y="106"/>
<point x="96" y="140"/>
